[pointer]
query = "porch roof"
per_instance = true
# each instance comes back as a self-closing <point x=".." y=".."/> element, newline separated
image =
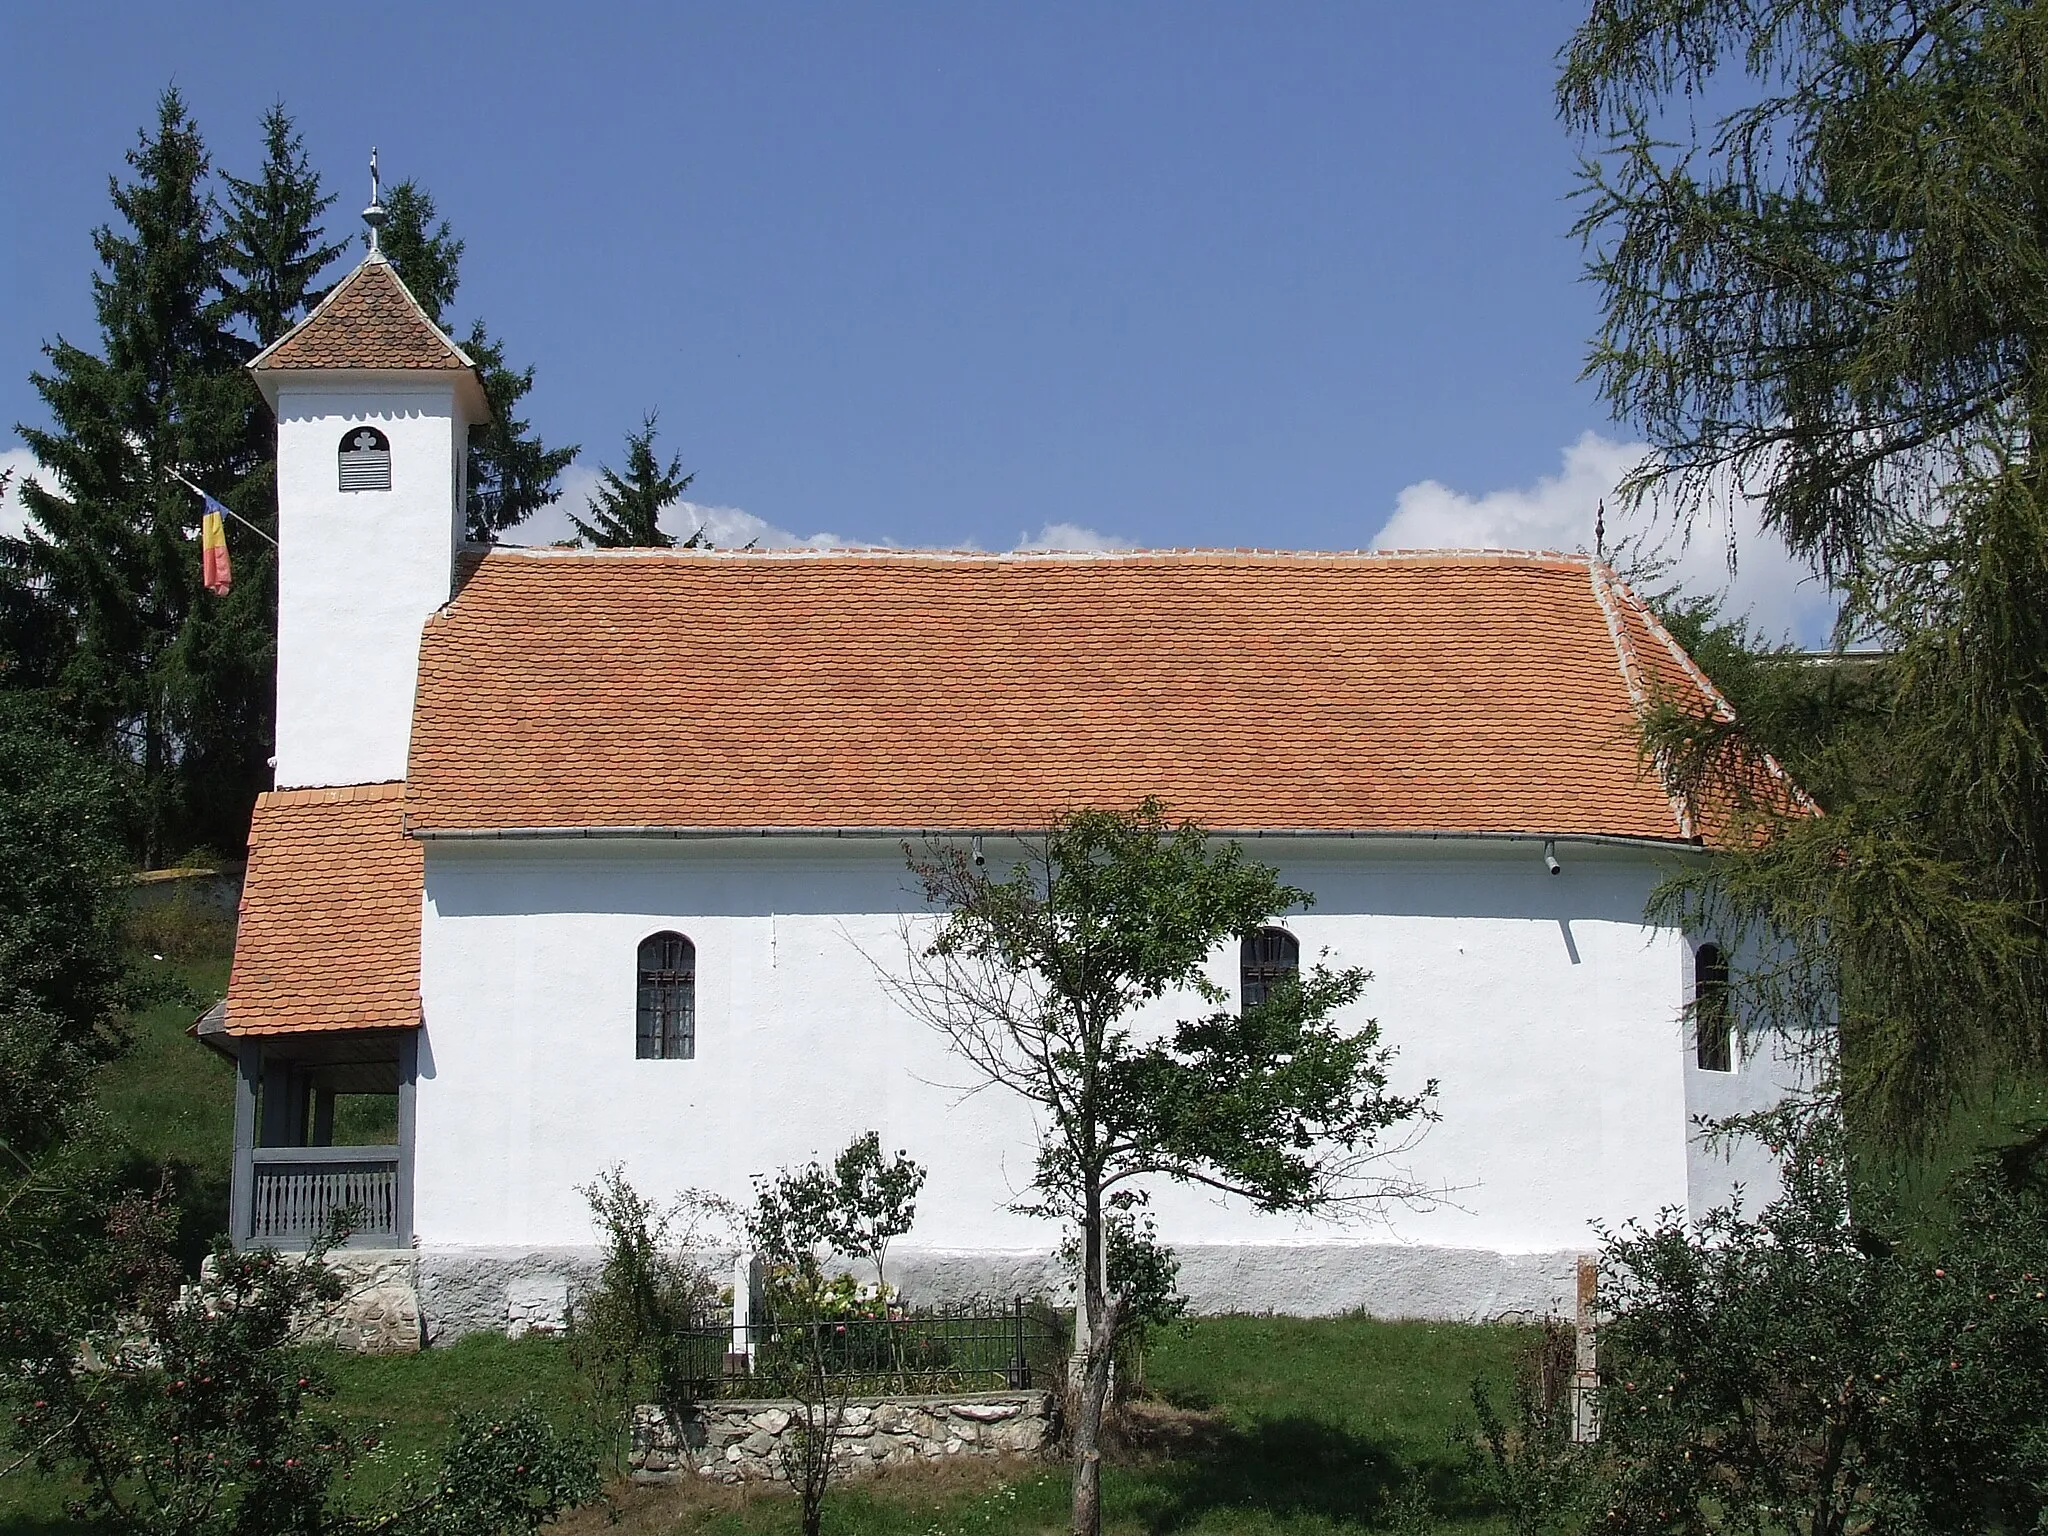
<point x="329" y="937"/>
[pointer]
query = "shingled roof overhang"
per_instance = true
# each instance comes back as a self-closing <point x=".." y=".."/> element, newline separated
<point x="329" y="934"/>
<point x="694" y="694"/>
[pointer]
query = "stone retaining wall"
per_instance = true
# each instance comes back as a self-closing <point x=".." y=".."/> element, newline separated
<point x="741" y="1441"/>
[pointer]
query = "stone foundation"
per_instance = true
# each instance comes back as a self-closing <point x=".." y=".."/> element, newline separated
<point x="379" y="1313"/>
<point x="379" y="1309"/>
<point x="518" y="1290"/>
<point x="736" y="1442"/>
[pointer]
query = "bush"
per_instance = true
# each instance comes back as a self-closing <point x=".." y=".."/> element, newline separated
<point x="639" y="1333"/>
<point x="1531" y="1467"/>
<point x="1807" y="1372"/>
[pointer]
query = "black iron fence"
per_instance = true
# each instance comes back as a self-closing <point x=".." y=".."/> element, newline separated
<point x="976" y="1348"/>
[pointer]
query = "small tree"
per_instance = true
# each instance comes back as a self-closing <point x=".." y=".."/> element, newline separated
<point x="799" y="1217"/>
<point x="874" y="1202"/>
<point x="625" y="510"/>
<point x="1032" y="977"/>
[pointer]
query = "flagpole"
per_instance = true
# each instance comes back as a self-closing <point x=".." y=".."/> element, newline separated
<point x="231" y="512"/>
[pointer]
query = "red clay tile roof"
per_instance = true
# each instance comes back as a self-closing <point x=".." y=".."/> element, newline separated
<point x="330" y="926"/>
<point x="369" y="320"/>
<point x="865" y="689"/>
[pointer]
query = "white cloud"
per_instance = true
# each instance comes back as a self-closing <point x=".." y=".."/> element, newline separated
<point x="727" y="527"/>
<point x="1070" y="536"/>
<point x="737" y="528"/>
<point x="1777" y="592"/>
<point x="22" y="463"/>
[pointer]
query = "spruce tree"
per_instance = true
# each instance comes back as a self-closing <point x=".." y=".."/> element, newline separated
<point x="103" y="585"/>
<point x="512" y="474"/>
<point x="274" y="256"/>
<point x="626" y="510"/>
<point x="276" y="250"/>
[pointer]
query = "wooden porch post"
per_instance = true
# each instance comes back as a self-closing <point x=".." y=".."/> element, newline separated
<point x="408" y="1074"/>
<point x="242" y="1186"/>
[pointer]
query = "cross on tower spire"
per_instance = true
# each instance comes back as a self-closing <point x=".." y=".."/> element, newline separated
<point x="374" y="214"/>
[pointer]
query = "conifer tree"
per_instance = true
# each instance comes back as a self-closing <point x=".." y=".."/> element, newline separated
<point x="103" y="585"/>
<point x="512" y="474"/>
<point x="1832" y="287"/>
<point x="625" y="511"/>
<point x="276" y="250"/>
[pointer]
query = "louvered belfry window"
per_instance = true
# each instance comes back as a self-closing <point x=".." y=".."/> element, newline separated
<point x="1263" y="959"/>
<point x="365" y="460"/>
<point x="668" y="998"/>
<point x="1713" y="1019"/>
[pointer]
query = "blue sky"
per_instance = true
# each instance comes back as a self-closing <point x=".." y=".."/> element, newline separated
<point x="941" y="274"/>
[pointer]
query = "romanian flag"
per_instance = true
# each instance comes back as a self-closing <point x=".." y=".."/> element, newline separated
<point x="213" y="548"/>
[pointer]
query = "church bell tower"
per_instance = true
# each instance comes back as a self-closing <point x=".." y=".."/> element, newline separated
<point x="374" y="404"/>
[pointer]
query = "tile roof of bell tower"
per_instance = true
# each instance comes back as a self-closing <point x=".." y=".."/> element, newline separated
<point x="369" y="320"/>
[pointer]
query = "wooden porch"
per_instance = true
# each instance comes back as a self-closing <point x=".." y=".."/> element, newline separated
<point x="293" y="1093"/>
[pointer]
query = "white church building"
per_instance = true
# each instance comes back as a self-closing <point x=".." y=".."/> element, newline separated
<point x="597" y="858"/>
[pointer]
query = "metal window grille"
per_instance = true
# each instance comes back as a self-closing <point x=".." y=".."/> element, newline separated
<point x="1263" y="959"/>
<point x="668" y="998"/>
<point x="1713" y="1020"/>
<point x="365" y="458"/>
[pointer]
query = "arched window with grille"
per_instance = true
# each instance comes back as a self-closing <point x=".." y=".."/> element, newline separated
<point x="365" y="460"/>
<point x="1263" y="959"/>
<point x="668" y="999"/>
<point x="1713" y="1016"/>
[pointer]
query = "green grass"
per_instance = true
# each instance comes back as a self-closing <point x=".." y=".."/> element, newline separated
<point x="1267" y="1427"/>
<point x="170" y="1103"/>
<point x="1287" y="1427"/>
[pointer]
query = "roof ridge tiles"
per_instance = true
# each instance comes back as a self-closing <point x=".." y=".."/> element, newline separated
<point x="806" y="552"/>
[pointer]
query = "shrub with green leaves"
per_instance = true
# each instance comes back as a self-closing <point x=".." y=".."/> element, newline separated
<point x="639" y="1333"/>
<point x="1810" y="1370"/>
<point x="191" y="1411"/>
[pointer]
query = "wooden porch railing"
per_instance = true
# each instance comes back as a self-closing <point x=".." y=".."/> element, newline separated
<point x="296" y="1190"/>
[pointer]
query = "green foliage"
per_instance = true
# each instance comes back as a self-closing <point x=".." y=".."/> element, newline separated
<point x="1828" y="290"/>
<point x="101" y="607"/>
<point x="185" y="1411"/>
<point x="1531" y="1467"/>
<point x="1032" y="977"/>
<point x="512" y="474"/>
<point x="502" y="1475"/>
<point x="275" y="248"/>
<point x="182" y="1410"/>
<point x="637" y="1332"/>
<point x="425" y="254"/>
<point x="1811" y="1372"/>
<point x="800" y="1215"/>
<point x="625" y="511"/>
<point x="61" y="907"/>
<point x="104" y="605"/>
<point x="1833" y="285"/>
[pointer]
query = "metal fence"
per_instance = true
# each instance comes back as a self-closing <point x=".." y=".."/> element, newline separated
<point x="977" y="1348"/>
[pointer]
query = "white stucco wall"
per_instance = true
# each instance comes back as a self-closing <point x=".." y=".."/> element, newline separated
<point x="1546" y="1009"/>
<point x="358" y="573"/>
